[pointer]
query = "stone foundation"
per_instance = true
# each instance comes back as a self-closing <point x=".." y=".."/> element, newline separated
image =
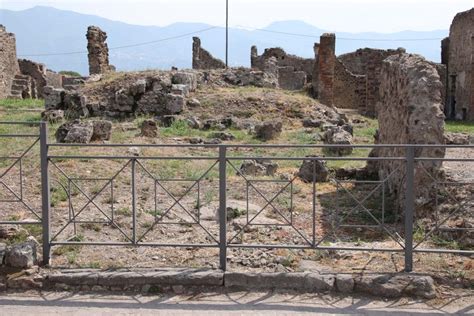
<point x="182" y="280"/>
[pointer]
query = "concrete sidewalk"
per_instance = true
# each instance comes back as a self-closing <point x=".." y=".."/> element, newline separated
<point x="226" y="303"/>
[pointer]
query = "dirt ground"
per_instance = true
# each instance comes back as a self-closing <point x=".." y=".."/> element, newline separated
<point x="184" y="212"/>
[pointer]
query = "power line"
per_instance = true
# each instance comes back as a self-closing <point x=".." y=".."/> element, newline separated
<point x="349" y="38"/>
<point x="125" y="46"/>
<point x="256" y="29"/>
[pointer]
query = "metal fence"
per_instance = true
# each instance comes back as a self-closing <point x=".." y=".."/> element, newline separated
<point x="18" y="147"/>
<point x="119" y="179"/>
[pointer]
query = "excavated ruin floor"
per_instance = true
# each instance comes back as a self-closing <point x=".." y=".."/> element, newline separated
<point x="448" y="268"/>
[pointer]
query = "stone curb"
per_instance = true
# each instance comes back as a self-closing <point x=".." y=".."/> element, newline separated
<point x="301" y="281"/>
<point x="180" y="280"/>
<point x="164" y="277"/>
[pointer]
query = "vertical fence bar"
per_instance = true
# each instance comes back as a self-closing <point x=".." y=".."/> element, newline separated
<point x="314" y="205"/>
<point x="409" y="207"/>
<point x="45" y="197"/>
<point x="222" y="208"/>
<point x="134" y="203"/>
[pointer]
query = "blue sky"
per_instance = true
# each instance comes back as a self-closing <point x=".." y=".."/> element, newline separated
<point x="333" y="15"/>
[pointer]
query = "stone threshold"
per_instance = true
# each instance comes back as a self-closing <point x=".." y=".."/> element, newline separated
<point x="195" y="280"/>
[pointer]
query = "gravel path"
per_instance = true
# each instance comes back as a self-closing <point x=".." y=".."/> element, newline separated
<point x="460" y="170"/>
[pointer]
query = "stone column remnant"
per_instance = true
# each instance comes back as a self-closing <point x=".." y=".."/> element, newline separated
<point x="315" y="80"/>
<point x="253" y="56"/>
<point x="98" y="51"/>
<point x="326" y="63"/>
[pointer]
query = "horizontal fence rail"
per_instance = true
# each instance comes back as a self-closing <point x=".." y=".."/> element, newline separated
<point x="133" y="197"/>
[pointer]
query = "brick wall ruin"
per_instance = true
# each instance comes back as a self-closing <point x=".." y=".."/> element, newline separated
<point x="31" y="80"/>
<point x="37" y="73"/>
<point x="293" y="68"/>
<point x="410" y="112"/>
<point x="365" y="62"/>
<point x="326" y="60"/>
<point x="289" y="79"/>
<point x="98" y="51"/>
<point x="350" y="90"/>
<point x="294" y="72"/>
<point x="54" y="79"/>
<point x="202" y="59"/>
<point x="8" y="61"/>
<point x="458" y="55"/>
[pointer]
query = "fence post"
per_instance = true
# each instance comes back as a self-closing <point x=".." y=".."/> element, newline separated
<point x="134" y="202"/>
<point x="45" y="193"/>
<point x="409" y="207"/>
<point x="222" y="208"/>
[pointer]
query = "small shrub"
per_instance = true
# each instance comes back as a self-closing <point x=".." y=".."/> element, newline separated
<point x="70" y="73"/>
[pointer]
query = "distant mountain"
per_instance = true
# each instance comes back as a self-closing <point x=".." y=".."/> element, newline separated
<point x="42" y="30"/>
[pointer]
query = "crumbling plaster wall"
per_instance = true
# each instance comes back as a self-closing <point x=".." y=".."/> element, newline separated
<point x="409" y="112"/>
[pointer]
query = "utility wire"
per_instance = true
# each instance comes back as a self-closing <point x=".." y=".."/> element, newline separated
<point x="260" y="30"/>
<point x="350" y="38"/>
<point x="126" y="46"/>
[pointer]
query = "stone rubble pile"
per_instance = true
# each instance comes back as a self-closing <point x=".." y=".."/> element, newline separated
<point x="83" y="132"/>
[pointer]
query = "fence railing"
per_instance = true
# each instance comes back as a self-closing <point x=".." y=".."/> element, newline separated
<point x="18" y="154"/>
<point x="93" y="191"/>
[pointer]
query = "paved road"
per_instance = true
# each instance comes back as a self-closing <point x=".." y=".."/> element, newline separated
<point x="236" y="303"/>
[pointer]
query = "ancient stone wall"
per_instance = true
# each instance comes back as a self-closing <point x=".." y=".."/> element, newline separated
<point x="98" y="51"/>
<point x="283" y="60"/>
<point x="443" y="77"/>
<point x="349" y="88"/>
<point x="202" y="59"/>
<point x="289" y="79"/>
<point x="326" y="67"/>
<point x="368" y="62"/>
<point x="460" y="99"/>
<point x="37" y="72"/>
<point x="54" y="79"/>
<point x="445" y="51"/>
<point x="409" y="112"/>
<point x="8" y="61"/>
